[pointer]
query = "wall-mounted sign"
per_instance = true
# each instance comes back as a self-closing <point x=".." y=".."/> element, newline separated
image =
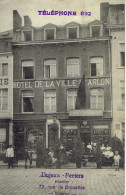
<point x="4" y="81"/>
<point x="60" y="83"/>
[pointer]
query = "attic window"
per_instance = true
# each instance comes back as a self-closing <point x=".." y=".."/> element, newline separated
<point x="27" y="35"/>
<point x="72" y="33"/>
<point x="96" y="31"/>
<point x="49" y="34"/>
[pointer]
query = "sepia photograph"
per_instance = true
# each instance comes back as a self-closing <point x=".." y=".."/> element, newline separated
<point x="62" y="97"/>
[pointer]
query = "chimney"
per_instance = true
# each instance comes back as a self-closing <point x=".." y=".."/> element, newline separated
<point x="17" y="21"/>
<point x="104" y="11"/>
<point x="27" y="21"/>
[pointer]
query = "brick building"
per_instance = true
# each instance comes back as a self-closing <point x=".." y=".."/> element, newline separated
<point x="6" y="91"/>
<point x="49" y="64"/>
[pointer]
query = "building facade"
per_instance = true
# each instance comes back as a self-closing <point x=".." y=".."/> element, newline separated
<point x="115" y="20"/>
<point x="6" y="91"/>
<point x="49" y="66"/>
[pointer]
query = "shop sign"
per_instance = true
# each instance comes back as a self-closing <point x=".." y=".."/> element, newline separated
<point x="99" y="82"/>
<point x="59" y="83"/>
<point x="85" y="128"/>
<point x="71" y="131"/>
<point x="101" y="131"/>
<point x="46" y="84"/>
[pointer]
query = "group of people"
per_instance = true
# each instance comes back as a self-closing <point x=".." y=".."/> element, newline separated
<point x="60" y="156"/>
<point x="103" y="154"/>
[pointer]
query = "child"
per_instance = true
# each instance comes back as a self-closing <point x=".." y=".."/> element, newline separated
<point x="116" y="160"/>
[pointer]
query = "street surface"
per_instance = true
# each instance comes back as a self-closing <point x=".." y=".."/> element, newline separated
<point x="20" y="181"/>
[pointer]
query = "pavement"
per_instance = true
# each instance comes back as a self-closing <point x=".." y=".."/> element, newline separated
<point x="31" y="181"/>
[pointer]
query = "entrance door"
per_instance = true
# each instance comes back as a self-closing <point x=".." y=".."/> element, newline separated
<point x="86" y="138"/>
<point x="52" y="134"/>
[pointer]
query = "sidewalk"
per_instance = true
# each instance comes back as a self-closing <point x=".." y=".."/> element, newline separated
<point x="21" y="163"/>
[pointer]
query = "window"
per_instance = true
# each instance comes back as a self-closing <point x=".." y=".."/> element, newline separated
<point x="96" y="66"/>
<point x="2" y="139"/>
<point x="73" y="67"/>
<point x="71" y="99"/>
<point x="97" y="99"/>
<point x="50" y="101"/>
<point x="27" y="101"/>
<point x="50" y="68"/>
<point x="122" y="58"/>
<point x="3" y="99"/>
<point x="122" y="87"/>
<point x="4" y="69"/>
<point x="96" y="31"/>
<point x="122" y="54"/>
<point x="27" y="69"/>
<point x="50" y="34"/>
<point x="72" y="33"/>
<point x="27" y="35"/>
<point x="123" y="132"/>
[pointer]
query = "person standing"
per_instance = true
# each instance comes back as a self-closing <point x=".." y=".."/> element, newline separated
<point x="10" y="156"/>
<point x="116" y="160"/>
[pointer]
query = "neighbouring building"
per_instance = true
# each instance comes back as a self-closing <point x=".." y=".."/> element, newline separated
<point x="6" y="91"/>
<point x="115" y="19"/>
<point x="49" y="64"/>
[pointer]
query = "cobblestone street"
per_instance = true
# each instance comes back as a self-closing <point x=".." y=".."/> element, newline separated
<point x="20" y="181"/>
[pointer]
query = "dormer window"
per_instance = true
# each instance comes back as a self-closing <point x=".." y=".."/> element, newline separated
<point x="73" y="32"/>
<point x="96" y="30"/>
<point x="27" y="35"/>
<point x="50" y="34"/>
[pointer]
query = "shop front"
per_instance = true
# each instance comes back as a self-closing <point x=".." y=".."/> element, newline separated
<point x="4" y="137"/>
<point x="27" y="135"/>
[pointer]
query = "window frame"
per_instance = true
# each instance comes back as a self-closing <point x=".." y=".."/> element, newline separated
<point x="23" y="35"/>
<point x="96" y="25"/>
<point x="97" y="100"/>
<point x="22" y="66"/>
<point x="122" y="92"/>
<point x="1" y="99"/>
<point x="70" y="27"/>
<point x="47" y="29"/>
<point x="68" y="90"/>
<point x="1" y="69"/>
<point x="50" y="68"/>
<point x="22" y="105"/>
<point x="50" y="111"/>
<point x="96" y="66"/>
<point x="69" y="58"/>
<point x="120" y="50"/>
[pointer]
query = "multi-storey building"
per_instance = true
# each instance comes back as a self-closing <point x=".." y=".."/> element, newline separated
<point x="49" y="64"/>
<point x="6" y="91"/>
<point x="115" y="19"/>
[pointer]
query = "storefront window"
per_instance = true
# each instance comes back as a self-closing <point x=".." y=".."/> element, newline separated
<point x="97" y="99"/>
<point x="4" y="99"/>
<point x="27" y="101"/>
<point x="2" y="139"/>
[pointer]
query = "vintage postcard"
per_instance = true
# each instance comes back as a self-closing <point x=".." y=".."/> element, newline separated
<point x="62" y="97"/>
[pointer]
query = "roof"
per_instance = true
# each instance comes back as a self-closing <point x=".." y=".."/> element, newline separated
<point x="6" y="34"/>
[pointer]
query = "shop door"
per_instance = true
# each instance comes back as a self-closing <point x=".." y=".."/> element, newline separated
<point x="86" y="138"/>
<point x="19" y="145"/>
<point x="52" y="134"/>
